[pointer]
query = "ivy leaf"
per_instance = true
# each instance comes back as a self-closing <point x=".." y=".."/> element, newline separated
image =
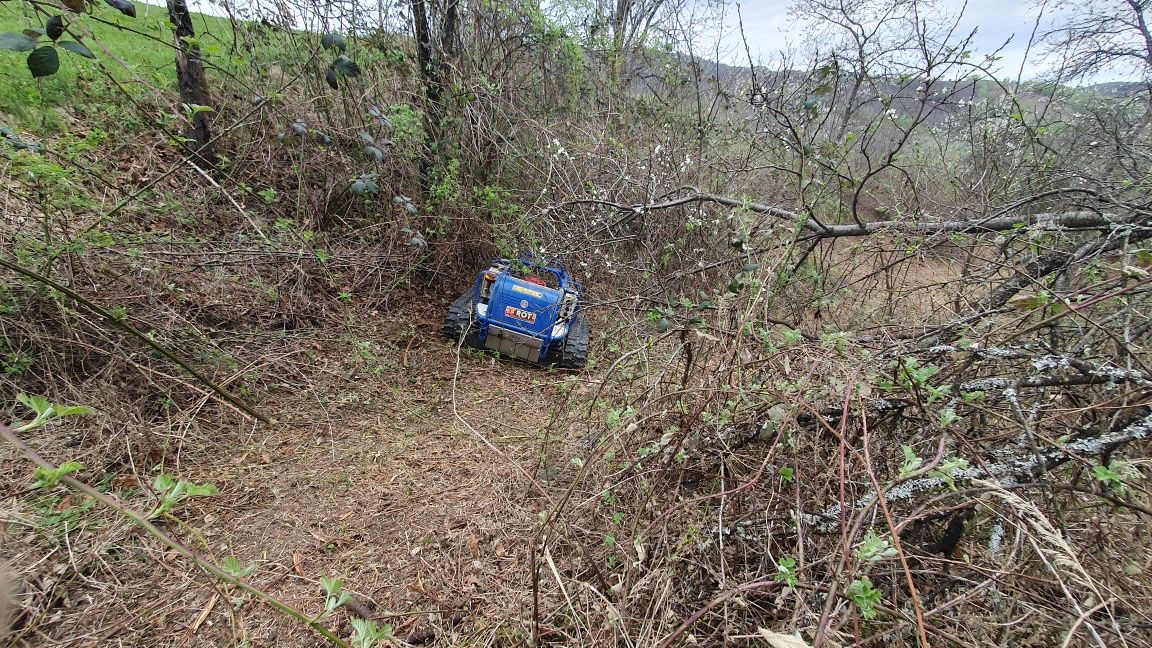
<point x="16" y="42"/>
<point x="44" y="61"/>
<point x="77" y="48"/>
<point x="346" y="66"/>
<point x="359" y="188"/>
<point x="374" y="153"/>
<point x="123" y="6"/>
<point x="333" y="41"/>
<point x="330" y="79"/>
<point x="54" y="27"/>
<point x="381" y="118"/>
<point x="366" y="138"/>
<point x="365" y="184"/>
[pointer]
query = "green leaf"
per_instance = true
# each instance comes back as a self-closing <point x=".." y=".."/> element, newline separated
<point x="364" y="185"/>
<point x="171" y="492"/>
<point x="367" y="633"/>
<point x="235" y="569"/>
<point x="334" y="593"/>
<point x="912" y="463"/>
<point x="331" y="79"/>
<point x="948" y="416"/>
<point x="874" y="547"/>
<point x="200" y="490"/>
<point x="39" y="404"/>
<point x="54" y="27"/>
<point x="865" y="596"/>
<point x="333" y="41"/>
<point x="1115" y="475"/>
<point x="44" y="61"/>
<point x="64" y="410"/>
<point x="16" y="42"/>
<point x="786" y="571"/>
<point x="195" y="109"/>
<point x="346" y="66"/>
<point x="948" y="469"/>
<point x="163" y="482"/>
<point x="49" y="477"/>
<point x="77" y="48"/>
<point x="1029" y="302"/>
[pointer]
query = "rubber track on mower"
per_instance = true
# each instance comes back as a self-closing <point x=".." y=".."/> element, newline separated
<point x="459" y="320"/>
<point x="575" y="352"/>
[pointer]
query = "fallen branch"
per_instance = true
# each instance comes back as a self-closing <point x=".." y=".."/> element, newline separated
<point x="995" y="223"/>
<point x="1004" y="468"/>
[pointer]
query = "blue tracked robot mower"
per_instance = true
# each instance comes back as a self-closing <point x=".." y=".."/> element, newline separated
<point x="524" y="308"/>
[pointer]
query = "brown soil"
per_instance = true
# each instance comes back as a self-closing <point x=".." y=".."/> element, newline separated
<point x="371" y="477"/>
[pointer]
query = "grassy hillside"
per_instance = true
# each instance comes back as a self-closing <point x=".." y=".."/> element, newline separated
<point x="136" y="52"/>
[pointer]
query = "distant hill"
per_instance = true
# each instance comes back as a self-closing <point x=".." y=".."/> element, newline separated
<point x="736" y="78"/>
<point x="1119" y="88"/>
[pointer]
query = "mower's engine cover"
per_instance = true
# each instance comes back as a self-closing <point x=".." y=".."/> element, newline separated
<point x="524" y="306"/>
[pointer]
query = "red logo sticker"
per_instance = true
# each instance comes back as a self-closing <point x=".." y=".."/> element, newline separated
<point x="520" y="314"/>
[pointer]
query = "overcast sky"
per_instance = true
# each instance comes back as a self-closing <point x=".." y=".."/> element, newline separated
<point x="769" y="29"/>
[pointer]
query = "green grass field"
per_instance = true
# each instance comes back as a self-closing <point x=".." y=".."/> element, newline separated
<point x="141" y="60"/>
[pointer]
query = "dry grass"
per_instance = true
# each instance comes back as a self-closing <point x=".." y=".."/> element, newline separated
<point x="736" y="475"/>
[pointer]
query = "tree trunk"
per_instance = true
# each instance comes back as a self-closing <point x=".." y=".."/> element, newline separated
<point x="192" y="82"/>
<point x="619" y="38"/>
<point x="435" y="49"/>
